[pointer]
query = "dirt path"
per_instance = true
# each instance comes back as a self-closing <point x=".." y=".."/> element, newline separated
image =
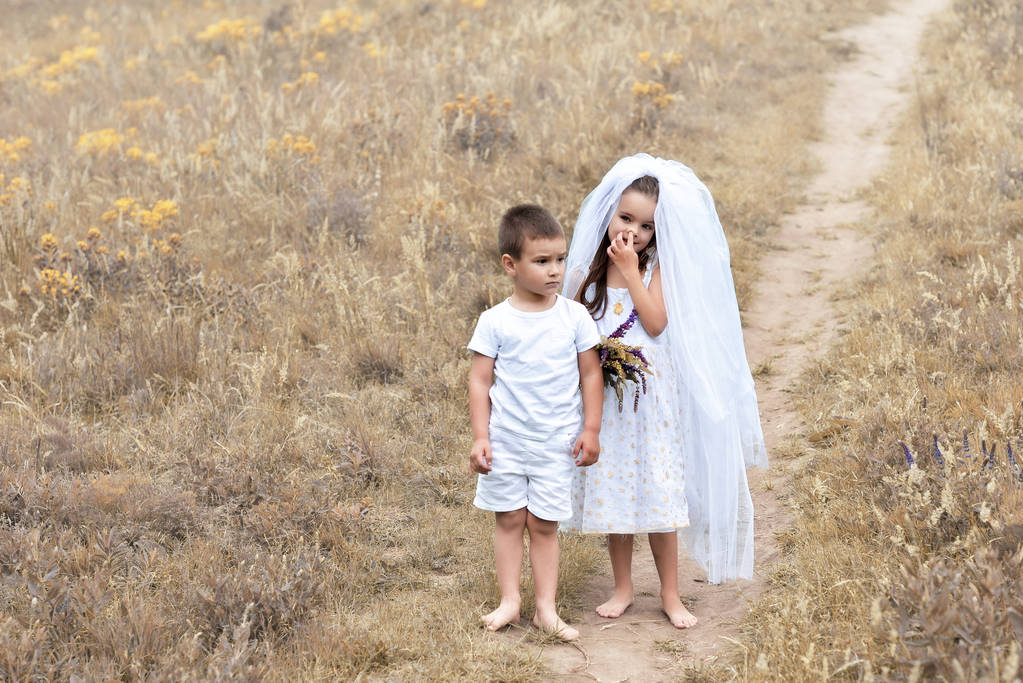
<point x="791" y="321"/>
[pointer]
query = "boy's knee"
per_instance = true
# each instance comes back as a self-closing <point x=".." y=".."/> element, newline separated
<point x="511" y="519"/>
<point x="537" y="525"/>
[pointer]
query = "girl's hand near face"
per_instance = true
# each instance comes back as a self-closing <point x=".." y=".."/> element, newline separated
<point x="622" y="252"/>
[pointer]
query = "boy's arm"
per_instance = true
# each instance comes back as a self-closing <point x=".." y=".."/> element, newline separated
<point x="481" y="377"/>
<point x="591" y="379"/>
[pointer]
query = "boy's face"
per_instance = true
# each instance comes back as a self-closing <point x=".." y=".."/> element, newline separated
<point x="635" y="214"/>
<point x="541" y="267"/>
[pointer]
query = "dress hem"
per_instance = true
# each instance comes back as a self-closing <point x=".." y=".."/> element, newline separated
<point x="602" y="532"/>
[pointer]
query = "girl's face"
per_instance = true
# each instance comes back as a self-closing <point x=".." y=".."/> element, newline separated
<point x="635" y="214"/>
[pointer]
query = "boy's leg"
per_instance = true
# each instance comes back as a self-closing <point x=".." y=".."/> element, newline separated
<point x="508" y="528"/>
<point x="619" y="548"/>
<point x="543" y="556"/>
<point x="664" y="547"/>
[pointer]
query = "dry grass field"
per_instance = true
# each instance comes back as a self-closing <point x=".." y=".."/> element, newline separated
<point x="905" y="561"/>
<point x="242" y="246"/>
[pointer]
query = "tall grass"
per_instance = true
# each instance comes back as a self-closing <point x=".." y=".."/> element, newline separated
<point x="242" y="246"/>
<point x="904" y="562"/>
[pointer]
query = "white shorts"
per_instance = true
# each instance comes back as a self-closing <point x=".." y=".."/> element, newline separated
<point x="536" y="475"/>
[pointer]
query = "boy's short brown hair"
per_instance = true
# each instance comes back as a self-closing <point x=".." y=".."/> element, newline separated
<point x="522" y="222"/>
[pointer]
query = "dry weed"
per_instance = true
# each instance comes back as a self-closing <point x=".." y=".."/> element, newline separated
<point x="242" y="246"/>
<point x="905" y="559"/>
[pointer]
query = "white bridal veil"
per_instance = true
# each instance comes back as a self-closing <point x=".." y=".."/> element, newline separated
<point x="716" y="395"/>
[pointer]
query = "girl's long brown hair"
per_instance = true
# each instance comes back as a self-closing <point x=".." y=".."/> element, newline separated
<point x="649" y="186"/>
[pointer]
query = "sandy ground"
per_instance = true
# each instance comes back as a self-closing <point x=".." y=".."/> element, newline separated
<point x="792" y="320"/>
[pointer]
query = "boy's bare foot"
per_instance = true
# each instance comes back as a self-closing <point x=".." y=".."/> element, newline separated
<point x="678" y="615"/>
<point x="616" y="606"/>
<point x="506" y="613"/>
<point x="556" y="627"/>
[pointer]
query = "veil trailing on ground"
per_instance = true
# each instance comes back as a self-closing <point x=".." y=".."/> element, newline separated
<point x="716" y="394"/>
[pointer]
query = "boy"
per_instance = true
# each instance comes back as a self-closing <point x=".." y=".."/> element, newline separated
<point x="531" y="353"/>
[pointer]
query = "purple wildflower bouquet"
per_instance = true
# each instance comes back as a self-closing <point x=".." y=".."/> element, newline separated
<point x="622" y="363"/>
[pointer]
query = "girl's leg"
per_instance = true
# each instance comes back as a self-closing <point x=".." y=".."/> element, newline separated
<point x="664" y="547"/>
<point x="508" y="528"/>
<point x="543" y="556"/>
<point x="619" y="547"/>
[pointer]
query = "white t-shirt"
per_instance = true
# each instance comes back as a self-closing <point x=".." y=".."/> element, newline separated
<point x="536" y="368"/>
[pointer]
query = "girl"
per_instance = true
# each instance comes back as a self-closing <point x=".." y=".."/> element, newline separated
<point x="650" y="262"/>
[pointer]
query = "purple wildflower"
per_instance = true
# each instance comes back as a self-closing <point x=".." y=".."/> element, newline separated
<point x="989" y="456"/>
<point x="937" y="452"/>
<point x="625" y="326"/>
<point x="622" y="363"/>
<point x="909" y="456"/>
<point x="1012" y="459"/>
<point x="966" y="445"/>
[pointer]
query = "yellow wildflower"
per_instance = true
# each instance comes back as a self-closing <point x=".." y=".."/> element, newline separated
<point x="188" y="77"/>
<point x="48" y="242"/>
<point x="154" y="103"/>
<point x="83" y="245"/>
<point x="12" y="150"/>
<point x="237" y="30"/>
<point x="333" y="22"/>
<point x="19" y="184"/>
<point x="93" y="235"/>
<point x="91" y="36"/>
<point x="671" y="58"/>
<point x="149" y="219"/>
<point x="663" y="101"/>
<point x="206" y="148"/>
<point x="373" y="50"/>
<point x="51" y="87"/>
<point x="99" y="141"/>
<point x="165" y="208"/>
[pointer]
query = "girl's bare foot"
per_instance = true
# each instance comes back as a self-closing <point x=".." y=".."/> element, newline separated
<point x="556" y="627"/>
<point x="678" y="615"/>
<point x="506" y="613"/>
<point x="616" y="606"/>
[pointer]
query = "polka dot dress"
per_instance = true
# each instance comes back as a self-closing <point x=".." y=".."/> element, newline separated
<point x="638" y="483"/>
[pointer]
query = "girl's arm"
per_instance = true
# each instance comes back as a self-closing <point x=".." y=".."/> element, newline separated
<point x="649" y="301"/>
<point x="481" y="376"/>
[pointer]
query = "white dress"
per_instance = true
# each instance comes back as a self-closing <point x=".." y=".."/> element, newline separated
<point x="638" y="483"/>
